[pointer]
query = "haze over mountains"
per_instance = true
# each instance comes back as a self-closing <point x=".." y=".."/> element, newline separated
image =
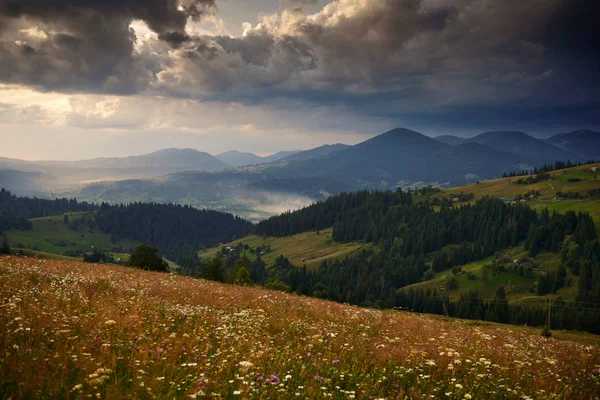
<point x="236" y="158"/>
<point x="255" y="186"/>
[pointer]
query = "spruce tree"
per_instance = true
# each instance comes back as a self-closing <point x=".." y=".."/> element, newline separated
<point x="5" y="249"/>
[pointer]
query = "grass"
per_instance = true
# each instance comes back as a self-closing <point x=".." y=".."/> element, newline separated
<point x="42" y="255"/>
<point x="304" y="248"/>
<point x="52" y="235"/>
<point x="507" y="188"/>
<point x="518" y="288"/>
<point x="72" y="330"/>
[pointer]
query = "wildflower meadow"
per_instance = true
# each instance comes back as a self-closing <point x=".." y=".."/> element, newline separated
<point x="70" y="330"/>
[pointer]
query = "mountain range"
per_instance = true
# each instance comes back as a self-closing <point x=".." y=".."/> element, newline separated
<point x="254" y="186"/>
<point x="237" y="159"/>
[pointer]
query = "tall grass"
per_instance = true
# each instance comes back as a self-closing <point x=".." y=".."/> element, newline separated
<point x="72" y="330"/>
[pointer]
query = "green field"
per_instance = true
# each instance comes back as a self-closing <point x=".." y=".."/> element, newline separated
<point x="507" y="188"/>
<point x="518" y="288"/>
<point x="52" y="235"/>
<point x="307" y="248"/>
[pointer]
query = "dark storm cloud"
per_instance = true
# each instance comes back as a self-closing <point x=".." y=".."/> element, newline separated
<point x="86" y="45"/>
<point x="403" y="58"/>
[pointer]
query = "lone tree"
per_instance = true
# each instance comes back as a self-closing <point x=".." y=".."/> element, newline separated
<point x="5" y="249"/>
<point x="147" y="257"/>
<point x="242" y="275"/>
<point x="213" y="270"/>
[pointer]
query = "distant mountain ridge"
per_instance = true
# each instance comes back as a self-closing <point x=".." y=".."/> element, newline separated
<point x="317" y="152"/>
<point x="237" y="159"/>
<point x="450" y="139"/>
<point x="519" y="143"/>
<point x="580" y="145"/>
<point x="583" y="141"/>
<point x="397" y="158"/>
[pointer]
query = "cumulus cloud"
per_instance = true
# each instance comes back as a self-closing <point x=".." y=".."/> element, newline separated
<point x="382" y="57"/>
<point x="87" y="45"/>
<point x="413" y="52"/>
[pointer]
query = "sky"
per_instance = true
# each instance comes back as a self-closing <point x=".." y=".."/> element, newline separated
<point x="90" y="78"/>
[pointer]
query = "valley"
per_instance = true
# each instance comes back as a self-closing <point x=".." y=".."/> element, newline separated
<point x="313" y="246"/>
<point x="256" y="187"/>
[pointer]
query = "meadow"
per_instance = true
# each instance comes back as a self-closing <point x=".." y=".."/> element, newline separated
<point x="518" y="288"/>
<point x="307" y="248"/>
<point x="74" y="331"/>
<point x="52" y="235"/>
<point x="507" y="188"/>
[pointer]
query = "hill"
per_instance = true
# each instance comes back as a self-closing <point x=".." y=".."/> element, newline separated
<point x="49" y="178"/>
<point x="166" y="159"/>
<point x="450" y="139"/>
<point x="308" y="248"/>
<point x="398" y="158"/>
<point x="316" y="152"/>
<point x="77" y="236"/>
<point x="411" y="241"/>
<point x="280" y="155"/>
<point x="578" y="180"/>
<point x="68" y="227"/>
<point x="229" y="341"/>
<point x="521" y="144"/>
<point x="238" y="159"/>
<point x="584" y="142"/>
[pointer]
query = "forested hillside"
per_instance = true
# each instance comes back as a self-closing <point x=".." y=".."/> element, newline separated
<point x="16" y="211"/>
<point x="412" y="241"/>
<point x="178" y="231"/>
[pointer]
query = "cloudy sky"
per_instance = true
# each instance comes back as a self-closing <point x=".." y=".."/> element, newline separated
<point x="88" y="78"/>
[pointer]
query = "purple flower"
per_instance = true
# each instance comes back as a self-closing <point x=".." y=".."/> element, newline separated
<point x="274" y="379"/>
<point x="335" y="362"/>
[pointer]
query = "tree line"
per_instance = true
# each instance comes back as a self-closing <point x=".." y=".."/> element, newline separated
<point x="15" y="212"/>
<point x="177" y="231"/>
<point x="557" y="166"/>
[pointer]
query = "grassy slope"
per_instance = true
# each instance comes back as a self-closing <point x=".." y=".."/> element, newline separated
<point x="48" y="232"/>
<point x="315" y="248"/>
<point x="505" y="187"/>
<point x="517" y="287"/>
<point x="113" y="332"/>
<point x="308" y="246"/>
